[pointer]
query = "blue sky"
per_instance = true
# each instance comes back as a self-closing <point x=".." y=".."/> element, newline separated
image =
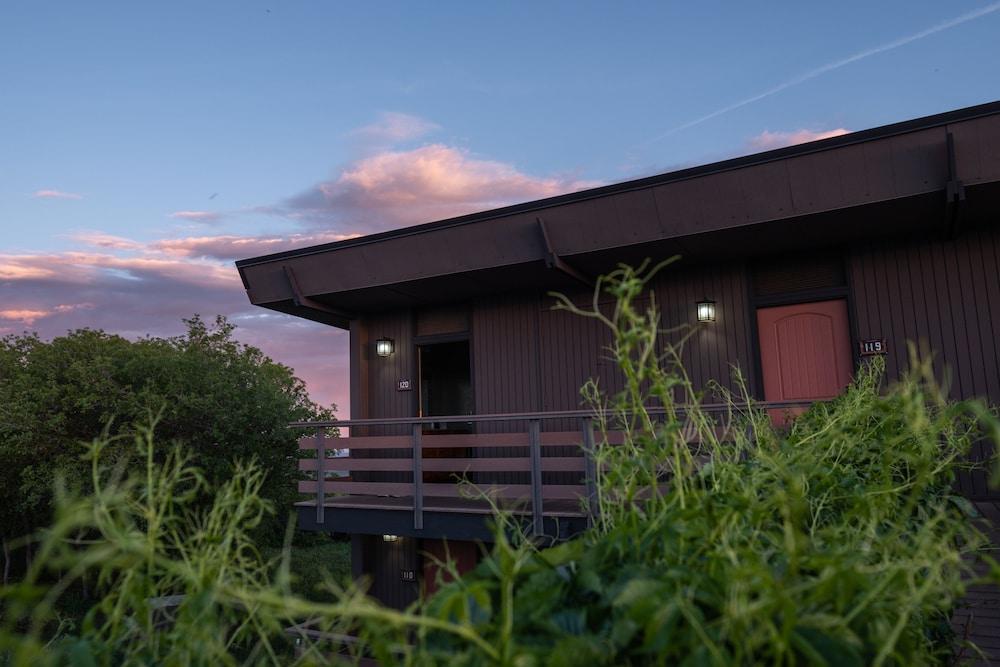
<point x="146" y="145"/>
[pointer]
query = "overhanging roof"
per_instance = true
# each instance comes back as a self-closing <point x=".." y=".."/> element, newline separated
<point x="900" y="178"/>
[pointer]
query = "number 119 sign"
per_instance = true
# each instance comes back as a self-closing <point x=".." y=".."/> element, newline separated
<point x="872" y="347"/>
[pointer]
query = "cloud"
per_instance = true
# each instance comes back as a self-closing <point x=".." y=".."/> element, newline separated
<point x="197" y="216"/>
<point x="395" y="188"/>
<point x="55" y="194"/>
<point x="29" y="317"/>
<point x="393" y="127"/>
<point x="767" y="140"/>
<point x="102" y="240"/>
<point x="24" y="315"/>
<point x="231" y="246"/>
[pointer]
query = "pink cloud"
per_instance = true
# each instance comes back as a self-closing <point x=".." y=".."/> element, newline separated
<point x="101" y="240"/>
<point x="55" y="194"/>
<point x="29" y="317"/>
<point x="196" y="216"/>
<point x="238" y="247"/>
<point x="766" y="140"/>
<point x="393" y="127"/>
<point x="23" y="315"/>
<point x="395" y="188"/>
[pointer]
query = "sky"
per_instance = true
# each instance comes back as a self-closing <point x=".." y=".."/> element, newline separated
<point x="146" y="146"/>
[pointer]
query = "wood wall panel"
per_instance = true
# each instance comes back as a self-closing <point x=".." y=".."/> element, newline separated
<point x="389" y="559"/>
<point x="505" y="372"/>
<point x="713" y="350"/>
<point x="505" y="348"/>
<point x="384" y="400"/>
<point x="943" y="295"/>
<point x="384" y="372"/>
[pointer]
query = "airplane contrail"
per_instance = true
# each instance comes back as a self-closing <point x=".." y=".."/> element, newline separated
<point x="837" y="64"/>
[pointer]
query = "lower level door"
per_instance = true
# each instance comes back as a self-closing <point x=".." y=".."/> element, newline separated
<point x="805" y="352"/>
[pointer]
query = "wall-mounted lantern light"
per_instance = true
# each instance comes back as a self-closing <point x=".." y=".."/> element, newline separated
<point x="706" y="310"/>
<point x="383" y="347"/>
<point x="390" y="538"/>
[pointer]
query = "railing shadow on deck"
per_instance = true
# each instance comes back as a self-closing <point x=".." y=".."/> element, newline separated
<point x="543" y="452"/>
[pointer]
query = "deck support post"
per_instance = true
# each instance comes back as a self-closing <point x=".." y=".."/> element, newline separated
<point x="535" y="445"/>
<point x="418" y="480"/>
<point x="590" y="470"/>
<point x="320" y="476"/>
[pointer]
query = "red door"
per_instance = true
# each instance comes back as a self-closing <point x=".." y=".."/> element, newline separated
<point x="805" y="350"/>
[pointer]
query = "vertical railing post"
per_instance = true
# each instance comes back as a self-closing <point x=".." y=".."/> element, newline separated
<point x="590" y="470"/>
<point x="418" y="479"/>
<point x="535" y="445"/>
<point x="320" y="475"/>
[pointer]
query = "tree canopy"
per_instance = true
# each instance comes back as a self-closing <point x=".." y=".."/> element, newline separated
<point x="224" y="400"/>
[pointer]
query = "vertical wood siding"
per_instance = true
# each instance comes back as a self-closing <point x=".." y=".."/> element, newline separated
<point x="505" y="371"/>
<point x="505" y="350"/>
<point x="945" y="296"/>
<point x="384" y="400"/>
<point x="388" y="561"/>
<point x="528" y="356"/>
<point x="384" y="372"/>
<point x="714" y="350"/>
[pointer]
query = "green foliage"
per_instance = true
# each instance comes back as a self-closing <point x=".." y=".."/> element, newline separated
<point x="314" y="559"/>
<point x="225" y="400"/>
<point x="721" y="540"/>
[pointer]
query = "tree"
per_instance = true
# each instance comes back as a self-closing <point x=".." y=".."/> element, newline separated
<point x="224" y="400"/>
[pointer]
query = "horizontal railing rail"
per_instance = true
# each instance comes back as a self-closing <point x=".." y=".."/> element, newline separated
<point x="712" y="408"/>
<point x="531" y="453"/>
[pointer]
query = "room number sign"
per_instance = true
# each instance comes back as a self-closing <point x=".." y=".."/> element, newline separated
<point x="872" y="347"/>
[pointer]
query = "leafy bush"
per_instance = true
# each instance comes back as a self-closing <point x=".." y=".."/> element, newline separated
<point x="837" y="542"/>
<point x="225" y="400"/>
<point x="720" y="540"/>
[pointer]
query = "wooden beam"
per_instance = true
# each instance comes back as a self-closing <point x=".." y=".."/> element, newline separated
<point x="535" y="440"/>
<point x="320" y="476"/>
<point x="554" y="261"/>
<point x="418" y="479"/>
<point x="303" y="301"/>
<point x="954" y="206"/>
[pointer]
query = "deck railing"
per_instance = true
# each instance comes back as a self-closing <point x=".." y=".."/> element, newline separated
<point x="544" y="451"/>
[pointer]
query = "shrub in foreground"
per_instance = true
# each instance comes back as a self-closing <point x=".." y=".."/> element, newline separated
<point x="720" y="540"/>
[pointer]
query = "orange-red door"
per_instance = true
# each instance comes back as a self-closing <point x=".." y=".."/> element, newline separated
<point x="805" y="350"/>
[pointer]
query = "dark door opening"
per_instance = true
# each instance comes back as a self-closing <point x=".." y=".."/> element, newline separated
<point x="446" y="384"/>
<point x="446" y="389"/>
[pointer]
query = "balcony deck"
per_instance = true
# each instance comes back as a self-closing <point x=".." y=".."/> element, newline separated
<point x="395" y="474"/>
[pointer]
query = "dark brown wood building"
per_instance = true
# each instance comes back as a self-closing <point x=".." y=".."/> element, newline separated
<point x="809" y="253"/>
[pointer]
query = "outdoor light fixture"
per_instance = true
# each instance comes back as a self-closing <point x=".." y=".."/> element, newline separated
<point x="706" y="310"/>
<point x="383" y="347"/>
<point x="390" y="538"/>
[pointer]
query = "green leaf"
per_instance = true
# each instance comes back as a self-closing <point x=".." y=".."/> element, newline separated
<point x="820" y="648"/>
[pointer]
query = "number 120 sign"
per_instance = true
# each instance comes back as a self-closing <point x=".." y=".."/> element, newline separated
<point x="872" y="347"/>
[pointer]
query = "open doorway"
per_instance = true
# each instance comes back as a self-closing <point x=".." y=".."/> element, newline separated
<point x="446" y="384"/>
<point x="445" y="389"/>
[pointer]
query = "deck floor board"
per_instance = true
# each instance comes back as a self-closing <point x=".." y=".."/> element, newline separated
<point x="978" y="615"/>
